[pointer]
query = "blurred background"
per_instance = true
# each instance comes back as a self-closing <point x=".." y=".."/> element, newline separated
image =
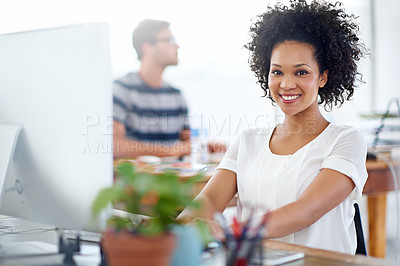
<point x="213" y="71"/>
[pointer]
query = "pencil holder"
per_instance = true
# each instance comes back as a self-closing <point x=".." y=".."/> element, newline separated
<point x="256" y="255"/>
<point x="245" y="252"/>
<point x="243" y="239"/>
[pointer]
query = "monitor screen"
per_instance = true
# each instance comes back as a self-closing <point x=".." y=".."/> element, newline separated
<point x="56" y="84"/>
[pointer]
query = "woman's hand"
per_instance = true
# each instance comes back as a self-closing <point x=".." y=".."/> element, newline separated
<point x="215" y="229"/>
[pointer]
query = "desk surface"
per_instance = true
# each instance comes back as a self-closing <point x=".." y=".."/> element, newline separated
<point x="34" y="232"/>
<point x="323" y="257"/>
<point x="379" y="178"/>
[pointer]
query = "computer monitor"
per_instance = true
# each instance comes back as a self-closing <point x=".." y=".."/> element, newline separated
<point x="56" y="84"/>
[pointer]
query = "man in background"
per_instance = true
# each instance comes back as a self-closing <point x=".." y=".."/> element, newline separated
<point x="150" y="116"/>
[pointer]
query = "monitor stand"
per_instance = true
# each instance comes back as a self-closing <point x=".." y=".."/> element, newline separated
<point x="8" y="138"/>
<point x="68" y="247"/>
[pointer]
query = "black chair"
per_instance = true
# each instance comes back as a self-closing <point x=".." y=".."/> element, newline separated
<point x="361" y="249"/>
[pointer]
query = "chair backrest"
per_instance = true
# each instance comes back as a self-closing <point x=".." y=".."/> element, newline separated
<point x="361" y="249"/>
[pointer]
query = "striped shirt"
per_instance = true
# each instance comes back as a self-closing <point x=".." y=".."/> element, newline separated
<point x="148" y="114"/>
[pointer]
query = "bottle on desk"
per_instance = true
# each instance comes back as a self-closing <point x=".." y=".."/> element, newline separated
<point x="199" y="146"/>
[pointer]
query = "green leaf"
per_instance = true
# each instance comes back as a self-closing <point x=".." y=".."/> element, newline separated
<point x="126" y="170"/>
<point x="120" y="223"/>
<point x="103" y="198"/>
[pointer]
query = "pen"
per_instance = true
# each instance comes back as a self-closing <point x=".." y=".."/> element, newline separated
<point x="258" y="234"/>
<point x="230" y="239"/>
<point x="236" y="228"/>
<point x="220" y="219"/>
<point x="245" y="230"/>
<point x="247" y="225"/>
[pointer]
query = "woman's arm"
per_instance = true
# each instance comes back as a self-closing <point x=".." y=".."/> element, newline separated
<point x="215" y="196"/>
<point x="326" y="191"/>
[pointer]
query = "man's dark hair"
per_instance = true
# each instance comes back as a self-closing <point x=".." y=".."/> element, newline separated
<point x="147" y="31"/>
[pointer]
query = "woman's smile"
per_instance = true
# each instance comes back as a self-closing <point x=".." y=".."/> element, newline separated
<point x="289" y="98"/>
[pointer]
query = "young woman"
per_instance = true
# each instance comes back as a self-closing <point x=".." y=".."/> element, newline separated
<point x="306" y="170"/>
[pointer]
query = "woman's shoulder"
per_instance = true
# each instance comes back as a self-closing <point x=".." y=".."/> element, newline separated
<point x="344" y="130"/>
<point x="348" y="134"/>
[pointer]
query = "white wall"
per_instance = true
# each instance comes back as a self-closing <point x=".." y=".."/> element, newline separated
<point x="387" y="51"/>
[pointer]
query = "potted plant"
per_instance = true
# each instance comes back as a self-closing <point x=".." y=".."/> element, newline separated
<point x="156" y="199"/>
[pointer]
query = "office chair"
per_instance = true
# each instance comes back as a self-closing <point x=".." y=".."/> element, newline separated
<point x="361" y="249"/>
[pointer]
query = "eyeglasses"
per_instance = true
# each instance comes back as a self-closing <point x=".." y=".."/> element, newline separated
<point x="171" y="40"/>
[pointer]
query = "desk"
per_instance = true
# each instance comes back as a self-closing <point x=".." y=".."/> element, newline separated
<point x="314" y="257"/>
<point x="91" y="256"/>
<point x="31" y="231"/>
<point x="324" y="257"/>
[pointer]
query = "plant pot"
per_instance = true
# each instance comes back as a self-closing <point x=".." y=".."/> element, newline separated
<point x="189" y="246"/>
<point x="124" y="248"/>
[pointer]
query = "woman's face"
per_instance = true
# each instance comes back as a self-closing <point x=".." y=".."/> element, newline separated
<point x="294" y="77"/>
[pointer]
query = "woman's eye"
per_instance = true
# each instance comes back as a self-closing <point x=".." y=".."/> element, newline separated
<point x="276" y="72"/>
<point x="301" y="72"/>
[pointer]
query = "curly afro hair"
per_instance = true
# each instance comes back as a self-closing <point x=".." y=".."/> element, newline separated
<point x="326" y="27"/>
